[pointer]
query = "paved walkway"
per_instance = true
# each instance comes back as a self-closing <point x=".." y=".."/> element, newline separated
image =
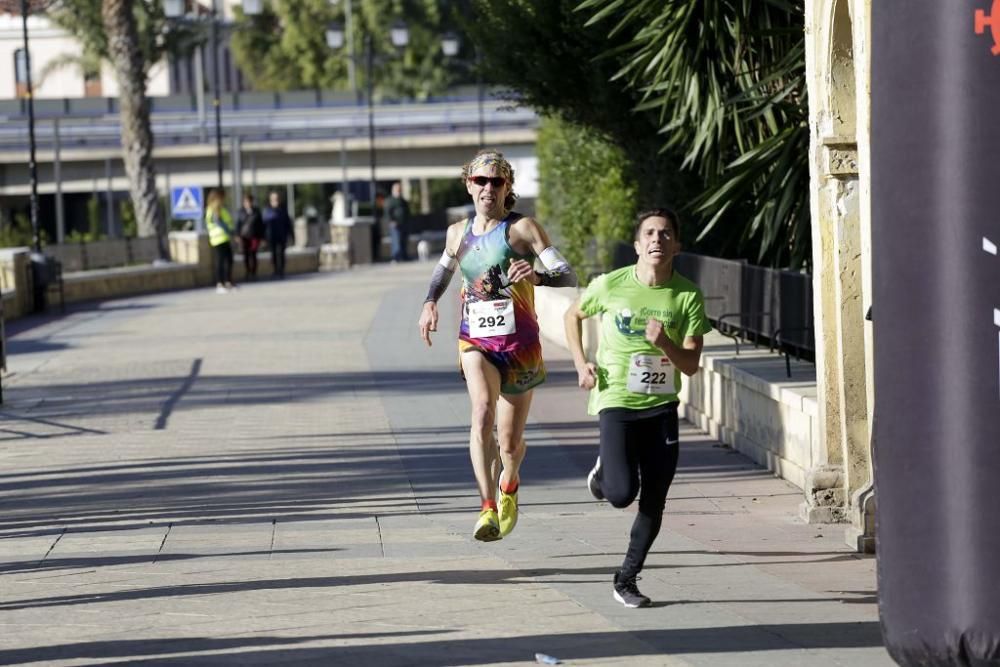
<point x="280" y="475"/>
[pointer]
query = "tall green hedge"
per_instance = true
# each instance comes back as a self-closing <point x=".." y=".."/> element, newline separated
<point x="586" y="194"/>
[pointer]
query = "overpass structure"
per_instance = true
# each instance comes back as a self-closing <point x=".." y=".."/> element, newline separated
<point x="302" y="137"/>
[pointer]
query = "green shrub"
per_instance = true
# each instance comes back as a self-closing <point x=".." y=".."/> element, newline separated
<point x="447" y="192"/>
<point x="306" y="195"/>
<point x="76" y="236"/>
<point x="17" y="232"/>
<point x="130" y="226"/>
<point x="585" y="194"/>
<point x="93" y="218"/>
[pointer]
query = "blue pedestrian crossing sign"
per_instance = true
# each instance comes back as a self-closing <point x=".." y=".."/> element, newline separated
<point x="186" y="202"/>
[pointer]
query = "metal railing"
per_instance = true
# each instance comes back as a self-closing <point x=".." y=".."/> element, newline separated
<point x="91" y="107"/>
<point x="747" y="303"/>
<point x="264" y="117"/>
<point x="755" y="303"/>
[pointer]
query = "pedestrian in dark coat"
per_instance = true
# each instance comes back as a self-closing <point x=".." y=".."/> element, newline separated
<point x="250" y="227"/>
<point x="279" y="231"/>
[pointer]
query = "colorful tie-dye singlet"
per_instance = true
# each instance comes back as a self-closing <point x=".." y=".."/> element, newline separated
<point x="484" y="261"/>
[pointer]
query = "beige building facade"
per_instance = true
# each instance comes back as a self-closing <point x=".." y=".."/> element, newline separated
<point x="48" y="42"/>
<point x="838" y="57"/>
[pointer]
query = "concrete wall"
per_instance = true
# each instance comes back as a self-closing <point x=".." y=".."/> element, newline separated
<point x="131" y="280"/>
<point x="103" y="254"/>
<point x="192" y="267"/>
<point x="747" y="401"/>
<point x="15" y="282"/>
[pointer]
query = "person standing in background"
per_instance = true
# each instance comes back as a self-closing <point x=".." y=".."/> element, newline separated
<point x="278" y="226"/>
<point x="250" y="226"/>
<point x="219" y="223"/>
<point x="397" y="210"/>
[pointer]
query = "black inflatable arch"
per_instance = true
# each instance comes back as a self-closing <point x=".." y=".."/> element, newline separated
<point x="936" y="305"/>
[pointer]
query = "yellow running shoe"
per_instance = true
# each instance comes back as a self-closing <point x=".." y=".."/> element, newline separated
<point x="508" y="512"/>
<point x="488" y="526"/>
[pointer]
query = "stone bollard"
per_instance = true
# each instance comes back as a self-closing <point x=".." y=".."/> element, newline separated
<point x="423" y="250"/>
<point x="193" y="248"/>
<point x="15" y="274"/>
<point x="358" y="233"/>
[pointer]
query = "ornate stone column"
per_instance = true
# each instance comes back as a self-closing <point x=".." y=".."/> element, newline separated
<point x="841" y="473"/>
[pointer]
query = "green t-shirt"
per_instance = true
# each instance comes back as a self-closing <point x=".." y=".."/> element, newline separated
<point x="627" y="305"/>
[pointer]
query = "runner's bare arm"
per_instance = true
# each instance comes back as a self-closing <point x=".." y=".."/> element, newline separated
<point x="686" y="357"/>
<point x="443" y="271"/>
<point x="527" y="233"/>
<point x="586" y="371"/>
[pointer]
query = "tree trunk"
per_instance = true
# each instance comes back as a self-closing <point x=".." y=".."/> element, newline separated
<point x="137" y="135"/>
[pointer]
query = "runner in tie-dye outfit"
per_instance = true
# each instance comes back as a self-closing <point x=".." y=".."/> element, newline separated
<point x="500" y="352"/>
<point x="484" y="261"/>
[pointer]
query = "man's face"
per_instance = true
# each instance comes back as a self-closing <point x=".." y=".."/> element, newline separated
<point x="656" y="243"/>
<point x="274" y="199"/>
<point x="488" y="188"/>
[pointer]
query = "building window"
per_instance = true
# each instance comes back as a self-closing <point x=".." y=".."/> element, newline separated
<point x="20" y="73"/>
<point x="92" y="84"/>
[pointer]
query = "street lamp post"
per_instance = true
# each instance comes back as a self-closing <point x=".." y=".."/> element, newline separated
<point x="36" y="236"/>
<point x="399" y="34"/>
<point x="176" y="9"/>
<point x="215" y="90"/>
<point x="370" y="83"/>
<point x="450" y="46"/>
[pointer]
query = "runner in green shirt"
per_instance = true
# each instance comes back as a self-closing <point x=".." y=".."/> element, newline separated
<point x="651" y="332"/>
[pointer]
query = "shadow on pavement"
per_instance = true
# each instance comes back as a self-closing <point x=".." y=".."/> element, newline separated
<point x="74" y="563"/>
<point x="396" y="476"/>
<point x="447" y="652"/>
<point x="277" y="486"/>
<point x="490" y="577"/>
<point x="21" y="325"/>
<point x="162" y="395"/>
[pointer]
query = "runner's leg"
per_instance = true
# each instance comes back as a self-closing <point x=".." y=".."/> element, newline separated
<point x="619" y="461"/>
<point x="512" y="415"/>
<point x="657" y="451"/>
<point x="483" y="382"/>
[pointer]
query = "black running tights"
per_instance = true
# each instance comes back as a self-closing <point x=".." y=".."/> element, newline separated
<point x="224" y="264"/>
<point x="639" y="445"/>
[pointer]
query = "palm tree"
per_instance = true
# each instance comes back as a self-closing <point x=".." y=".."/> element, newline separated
<point x="87" y="63"/>
<point x="132" y="37"/>
<point x="727" y="78"/>
<point x="137" y="136"/>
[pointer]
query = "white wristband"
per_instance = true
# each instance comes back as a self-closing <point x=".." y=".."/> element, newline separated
<point x="553" y="261"/>
<point x="447" y="261"/>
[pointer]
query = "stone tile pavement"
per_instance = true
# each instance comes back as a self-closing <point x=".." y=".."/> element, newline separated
<point x="280" y="475"/>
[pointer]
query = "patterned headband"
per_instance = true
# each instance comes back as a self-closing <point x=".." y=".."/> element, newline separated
<point x="495" y="159"/>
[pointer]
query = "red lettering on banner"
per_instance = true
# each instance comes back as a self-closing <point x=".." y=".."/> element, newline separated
<point x="993" y="21"/>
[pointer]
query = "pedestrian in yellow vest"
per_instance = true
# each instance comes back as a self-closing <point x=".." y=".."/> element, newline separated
<point x="219" y="223"/>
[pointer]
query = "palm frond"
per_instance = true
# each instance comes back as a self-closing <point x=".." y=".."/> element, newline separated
<point x="726" y="78"/>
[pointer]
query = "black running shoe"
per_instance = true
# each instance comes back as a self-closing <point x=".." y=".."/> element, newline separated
<point x="628" y="593"/>
<point x="594" y="481"/>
